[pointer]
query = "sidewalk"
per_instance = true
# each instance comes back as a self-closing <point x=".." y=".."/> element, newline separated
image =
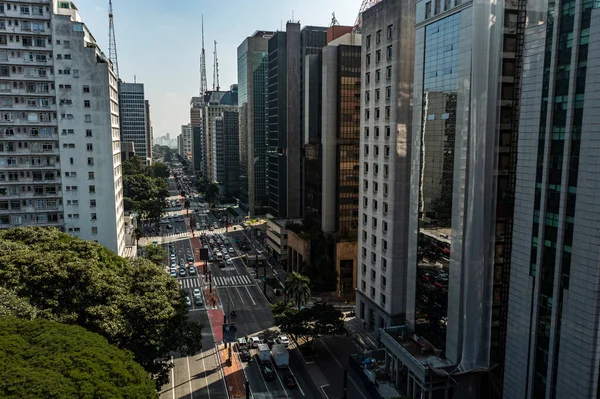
<point x="363" y="338"/>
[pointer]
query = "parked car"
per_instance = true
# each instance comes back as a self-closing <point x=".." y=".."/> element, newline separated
<point x="173" y="273"/>
<point x="245" y="355"/>
<point x="188" y="301"/>
<point x="284" y="340"/>
<point x="190" y="258"/>
<point x="198" y="301"/>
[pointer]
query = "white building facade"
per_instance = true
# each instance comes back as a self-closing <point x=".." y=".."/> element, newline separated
<point x="186" y="142"/>
<point x="88" y="125"/>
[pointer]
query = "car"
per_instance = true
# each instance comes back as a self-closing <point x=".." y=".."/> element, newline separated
<point x="245" y="355"/>
<point x="192" y="271"/>
<point x="290" y="381"/>
<point x="206" y="247"/>
<point x="182" y="272"/>
<point x="284" y="340"/>
<point x="173" y="264"/>
<point x="198" y="301"/>
<point x="210" y="228"/>
<point x="268" y="373"/>
<point x="229" y="262"/>
<point x="230" y="250"/>
<point x="163" y="221"/>
<point x="254" y="341"/>
<point x="190" y="258"/>
<point x="197" y="292"/>
<point x="188" y="301"/>
<point x="173" y="273"/>
<point x="169" y="227"/>
<point x="226" y="242"/>
<point x="173" y="256"/>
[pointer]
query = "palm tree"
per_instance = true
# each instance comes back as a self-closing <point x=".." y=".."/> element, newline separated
<point x="297" y="287"/>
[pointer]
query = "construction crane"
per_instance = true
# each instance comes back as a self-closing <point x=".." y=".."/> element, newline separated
<point x="216" y="71"/>
<point x="366" y="4"/>
<point x="203" y="84"/>
<point x="112" y="41"/>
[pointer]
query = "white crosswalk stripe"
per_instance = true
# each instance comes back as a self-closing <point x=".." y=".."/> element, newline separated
<point x="231" y="281"/>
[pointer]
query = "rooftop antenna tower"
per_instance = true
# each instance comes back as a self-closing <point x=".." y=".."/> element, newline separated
<point x="334" y="20"/>
<point x="112" y="41"/>
<point x="216" y="71"/>
<point x="203" y="84"/>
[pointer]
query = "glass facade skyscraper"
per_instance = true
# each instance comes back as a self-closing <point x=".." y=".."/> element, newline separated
<point x="252" y="101"/>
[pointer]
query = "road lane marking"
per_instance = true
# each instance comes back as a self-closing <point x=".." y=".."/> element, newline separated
<point x="252" y="299"/>
<point x="297" y="383"/>
<point x="257" y="361"/>
<point x="189" y="377"/>
<point x="323" y="389"/>
<point x="173" y="377"/>
<point x="277" y="374"/>
<point x="206" y="375"/>
<point x="340" y="365"/>
<point x="238" y="291"/>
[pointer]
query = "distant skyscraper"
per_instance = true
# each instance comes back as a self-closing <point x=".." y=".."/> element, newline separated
<point x="133" y="119"/>
<point x="185" y="145"/>
<point x="198" y="135"/>
<point x="149" y="131"/>
<point x="252" y="84"/>
<point x="226" y="152"/>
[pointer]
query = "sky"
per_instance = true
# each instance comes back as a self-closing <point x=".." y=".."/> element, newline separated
<point x="159" y="42"/>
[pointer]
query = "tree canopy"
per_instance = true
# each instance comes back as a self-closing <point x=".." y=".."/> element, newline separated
<point x="134" y="304"/>
<point x="45" y="359"/>
<point x="145" y="189"/>
<point x="155" y="254"/>
<point x="308" y="323"/>
<point x="297" y="288"/>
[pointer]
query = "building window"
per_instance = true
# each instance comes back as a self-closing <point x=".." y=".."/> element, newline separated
<point x="364" y="269"/>
<point x="92" y="203"/>
<point x="367" y="76"/>
<point x="373" y="257"/>
<point x="388" y="72"/>
<point x="91" y="176"/>
<point x="365" y="202"/>
<point x="376" y="150"/>
<point x="388" y="132"/>
<point x="378" y="37"/>
<point x="378" y="56"/>
<point x="373" y="275"/>
<point x="374" y="222"/>
<point x="375" y="205"/>
<point x="366" y="167"/>
<point x="71" y="161"/>
<point x="385" y="189"/>
<point x="88" y="133"/>
<point x="378" y="75"/>
<point x="367" y="114"/>
<point x="373" y="292"/>
<point x="386" y="151"/>
<point x="375" y="169"/>
<point x="382" y="296"/>
<point x="90" y="161"/>
<point x="366" y="132"/>
<point x="365" y="218"/>
<point x="368" y="42"/>
<point x="390" y="31"/>
<point x="385" y="226"/>
<point x="88" y="118"/>
<point x="86" y="89"/>
<point x="366" y="149"/>
<point x="94" y="230"/>
<point x="364" y="252"/>
<point x="388" y="111"/>
<point x="87" y="103"/>
<point x="89" y="147"/>
<point x="363" y="285"/>
<point x="376" y="113"/>
<point x="375" y="187"/>
<point x="92" y="189"/>
<point x="373" y="240"/>
<point x="385" y="207"/>
<point x="368" y="59"/>
<point x="384" y="245"/>
<point x="388" y="92"/>
<point x="386" y="170"/>
<point x="365" y="184"/>
<point x="428" y="9"/>
<point x="377" y="94"/>
<point x="383" y="281"/>
<point x="364" y="236"/>
<point x="437" y="7"/>
<point x="367" y="96"/>
<point x="376" y="132"/>
<point x="383" y="264"/>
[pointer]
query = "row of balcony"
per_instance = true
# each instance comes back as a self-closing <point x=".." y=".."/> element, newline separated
<point x="31" y="180"/>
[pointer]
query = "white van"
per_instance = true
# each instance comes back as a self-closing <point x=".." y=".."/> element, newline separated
<point x="219" y="256"/>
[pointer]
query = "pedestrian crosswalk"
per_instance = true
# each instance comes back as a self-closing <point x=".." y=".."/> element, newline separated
<point x="232" y="280"/>
<point x="192" y="282"/>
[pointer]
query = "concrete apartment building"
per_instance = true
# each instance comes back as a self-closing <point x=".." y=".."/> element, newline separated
<point x="552" y="337"/>
<point x="226" y="153"/>
<point x="198" y="139"/>
<point x="134" y="120"/>
<point x="185" y="144"/>
<point x="285" y="115"/>
<point x="61" y="104"/>
<point x="215" y="103"/>
<point x="252" y="84"/>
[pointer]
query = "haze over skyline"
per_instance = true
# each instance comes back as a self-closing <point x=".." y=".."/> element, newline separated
<point x="159" y="43"/>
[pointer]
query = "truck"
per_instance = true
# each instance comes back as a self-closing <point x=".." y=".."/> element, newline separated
<point x="263" y="353"/>
<point x="280" y="355"/>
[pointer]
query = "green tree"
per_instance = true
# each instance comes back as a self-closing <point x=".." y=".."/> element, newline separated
<point x="45" y="359"/>
<point x="134" y="304"/>
<point x="160" y="169"/>
<point x="297" y="288"/>
<point x="13" y="305"/>
<point x="133" y="166"/>
<point x="155" y="254"/>
<point x="211" y="193"/>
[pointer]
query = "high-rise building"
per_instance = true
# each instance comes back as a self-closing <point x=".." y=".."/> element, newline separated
<point x="552" y="337"/>
<point x="133" y="119"/>
<point x="341" y="76"/>
<point x="149" y="130"/>
<point x="286" y="115"/>
<point x="60" y="126"/>
<point x="252" y="82"/>
<point x="186" y="141"/>
<point x="215" y="103"/>
<point x="459" y="148"/>
<point x="198" y="135"/>
<point x="226" y="152"/>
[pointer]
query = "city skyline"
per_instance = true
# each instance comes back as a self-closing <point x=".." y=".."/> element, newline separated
<point x="161" y="25"/>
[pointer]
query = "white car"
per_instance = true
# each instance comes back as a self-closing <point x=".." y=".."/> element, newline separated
<point x="283" y="339"/>
<point x="231" y="250"/>
<point x="173" y="256"/>
<point x="197" y="292"/>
